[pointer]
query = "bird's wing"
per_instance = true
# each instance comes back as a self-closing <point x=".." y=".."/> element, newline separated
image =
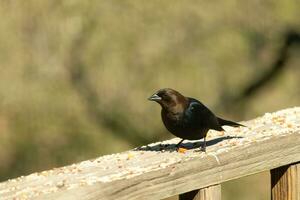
<point x="200" y="114"/>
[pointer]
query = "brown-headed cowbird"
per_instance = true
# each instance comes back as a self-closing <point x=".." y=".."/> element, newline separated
<point x="187" y="118"/>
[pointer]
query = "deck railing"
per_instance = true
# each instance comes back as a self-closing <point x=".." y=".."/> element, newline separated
<point x="157" y="171"/>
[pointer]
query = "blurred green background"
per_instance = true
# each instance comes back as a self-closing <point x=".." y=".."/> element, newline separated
<point x="75" y="75"/>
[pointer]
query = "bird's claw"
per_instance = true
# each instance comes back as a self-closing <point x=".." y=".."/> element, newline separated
<point x="177" y="147"/>
<point x="201" y="149"/>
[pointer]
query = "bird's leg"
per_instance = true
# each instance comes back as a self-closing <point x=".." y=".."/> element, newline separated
<point x="203" y="148"/>
<point x="178" y="145"/>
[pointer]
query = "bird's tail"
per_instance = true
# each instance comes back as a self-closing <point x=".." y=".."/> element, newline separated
<point x="224" y="122"/>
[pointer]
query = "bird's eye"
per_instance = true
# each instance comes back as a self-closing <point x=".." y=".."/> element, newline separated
<point x="166" y="98"/>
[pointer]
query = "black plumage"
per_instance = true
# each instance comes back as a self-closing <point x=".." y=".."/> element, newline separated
<point x="186" y="117"/>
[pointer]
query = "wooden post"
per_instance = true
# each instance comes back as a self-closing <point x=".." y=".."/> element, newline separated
<point x="209" y="193"/>
<point x="285" y="182"/>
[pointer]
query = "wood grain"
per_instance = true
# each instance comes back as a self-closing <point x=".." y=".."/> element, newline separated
<point x="209" y="193"/>
<point x="157" y="171"/>
<point x="285" y="182"/>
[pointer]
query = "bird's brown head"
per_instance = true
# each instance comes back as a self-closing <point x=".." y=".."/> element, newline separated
<point x="170" y="100"/>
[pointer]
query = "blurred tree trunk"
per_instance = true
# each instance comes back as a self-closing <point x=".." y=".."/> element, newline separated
<point x="238" y="103"/>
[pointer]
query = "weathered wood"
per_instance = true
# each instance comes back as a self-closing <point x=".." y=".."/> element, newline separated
<point x="285" y="182"/>
<point x="209" y="193"/>
<point x="157" y="171"/>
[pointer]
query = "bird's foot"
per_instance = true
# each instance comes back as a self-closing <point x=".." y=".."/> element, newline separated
<point x="180" y="148"/>
<point x="177" y="147"/>
<point x="201" y="149"/>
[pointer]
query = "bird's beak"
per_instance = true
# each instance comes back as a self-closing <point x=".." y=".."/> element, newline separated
<point x="154" y="97"/>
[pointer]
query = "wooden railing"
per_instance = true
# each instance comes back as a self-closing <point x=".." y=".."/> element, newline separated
<point x="157" y="171"/>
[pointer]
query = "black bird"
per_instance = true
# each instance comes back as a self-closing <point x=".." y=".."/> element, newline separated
<point x="186" y="117"/>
